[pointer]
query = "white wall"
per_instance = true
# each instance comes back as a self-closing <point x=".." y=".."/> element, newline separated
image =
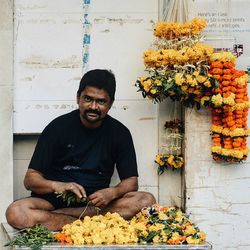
<point x="217" y="194"/>
<point x="6" y="58"/>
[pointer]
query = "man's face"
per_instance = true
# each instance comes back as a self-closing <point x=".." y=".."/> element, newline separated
<point x="94" y="104"/>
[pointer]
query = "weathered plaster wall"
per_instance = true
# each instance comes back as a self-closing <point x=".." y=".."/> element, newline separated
<point x="6" y="59"/>
<point x="217" y="195"/>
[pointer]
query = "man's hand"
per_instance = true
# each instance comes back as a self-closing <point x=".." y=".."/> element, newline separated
<point x="102" y="198"/>
<point x="60" y="187"/>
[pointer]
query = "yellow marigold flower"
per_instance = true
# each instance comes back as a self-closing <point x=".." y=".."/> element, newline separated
<point x="162" y="216"/>
<point x="229" y="100"/>
<point x="196" y="73"/>
<point x="237" y="154"/>
<point x="202" y="236"/>
<point x="217" y="100"/>
<point x="156" y="227"/>
<point x="226" y="131"/>
<point x="184" y="88"/>
<point x="147" y="85"/>
<point x="159" y="160"/>
<point x="153" y="91"/>
<point x="207" y="84"/>
<point x="216" y="149"/>
<point x="170" y="160"/>
<point x="242" y="79"/>
<point x="179" y="215"/>
<point x="247" y="131"/>
<point x="226" y="152"/>
<point x="192" y="240"/>
<point x="197" y="92"/>
<point x="223" y="57"/>
<point x="201" y="79"/>
<point x="179" y="79"/>
<point x="238" y="132"/>
<point x="158" y="82"/>
<point x="157" y="239"/>
<point x="189" y="230"/>
<point x="216" y="129"/>
<point x="246" y="151"/>
<point x="204" y="99"/>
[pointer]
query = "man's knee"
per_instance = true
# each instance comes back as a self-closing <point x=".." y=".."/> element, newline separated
<point x="145" y="199"/>
<point x="16" y="215"/>
<point x="13" y="214"/>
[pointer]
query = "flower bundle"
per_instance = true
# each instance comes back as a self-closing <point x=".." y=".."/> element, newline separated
<point x="156" y="224"/>
<point x="163" y="224"/>
<point x="178" y="66"/>
<point x="230" y="106"/>
<point x="166" y="161"/>
<point x="172" y="30"/>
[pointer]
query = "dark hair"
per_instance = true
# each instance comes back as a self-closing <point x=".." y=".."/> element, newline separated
<point x="99" y="78"/>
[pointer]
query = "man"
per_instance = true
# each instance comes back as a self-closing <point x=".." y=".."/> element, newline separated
<point x="77" y="152"/>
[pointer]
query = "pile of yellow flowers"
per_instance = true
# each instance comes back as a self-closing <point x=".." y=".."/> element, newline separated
<point x="165" y="161"/>
<point x="156" y="224"/>
<point x="100" y="229"/>
<point x="178" y="68"/>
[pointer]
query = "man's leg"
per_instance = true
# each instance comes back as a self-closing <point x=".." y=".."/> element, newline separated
<point x="127" y="206"/>
<point x="130" y="204"/>
<point x="31" y="211"/>
<point x="28" y="212"/>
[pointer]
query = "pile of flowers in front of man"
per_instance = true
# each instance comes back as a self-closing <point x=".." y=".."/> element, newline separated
<point x="156" y="224"/>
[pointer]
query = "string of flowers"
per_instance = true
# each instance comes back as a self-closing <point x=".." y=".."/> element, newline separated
<point x="173" y="159"/>
<point x="230" y="105"/>
<point x="182" y="68"/>
<point x="178" y="65"/>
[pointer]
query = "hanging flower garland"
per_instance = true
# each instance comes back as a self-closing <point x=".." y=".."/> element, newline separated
<point x="178" y="66"/>
<point x="172" y="159"/>
<point x="230" y="105"/>
<point x="182" y="68"/>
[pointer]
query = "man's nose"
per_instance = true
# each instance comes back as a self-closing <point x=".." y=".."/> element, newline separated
<point x="93" y="105"/>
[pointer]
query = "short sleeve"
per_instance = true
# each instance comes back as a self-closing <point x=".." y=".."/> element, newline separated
<point x="43" y="155"/>
<point x="126" y="163"/>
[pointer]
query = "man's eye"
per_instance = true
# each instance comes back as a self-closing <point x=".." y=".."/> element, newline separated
<point x="101" y="102"/>
<point x="87" y="99"/>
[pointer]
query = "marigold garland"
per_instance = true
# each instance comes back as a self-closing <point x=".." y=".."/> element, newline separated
<point x="178" y="66"/>
<point x="185" y="70"/>
<point x="230" y="109"/>
<point x="165" y="161"/>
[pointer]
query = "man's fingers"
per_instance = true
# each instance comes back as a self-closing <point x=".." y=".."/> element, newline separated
<point x="82" y="190"/>
<point x="77" y="189"/>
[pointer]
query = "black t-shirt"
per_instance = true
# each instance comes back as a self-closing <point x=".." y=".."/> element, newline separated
<point x="67" y="151"/>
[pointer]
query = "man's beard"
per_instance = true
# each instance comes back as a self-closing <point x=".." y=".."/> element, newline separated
<point x="90" y="119"/>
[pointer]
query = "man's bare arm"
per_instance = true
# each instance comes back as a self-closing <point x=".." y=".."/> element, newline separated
<point x="35" y="181"/>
